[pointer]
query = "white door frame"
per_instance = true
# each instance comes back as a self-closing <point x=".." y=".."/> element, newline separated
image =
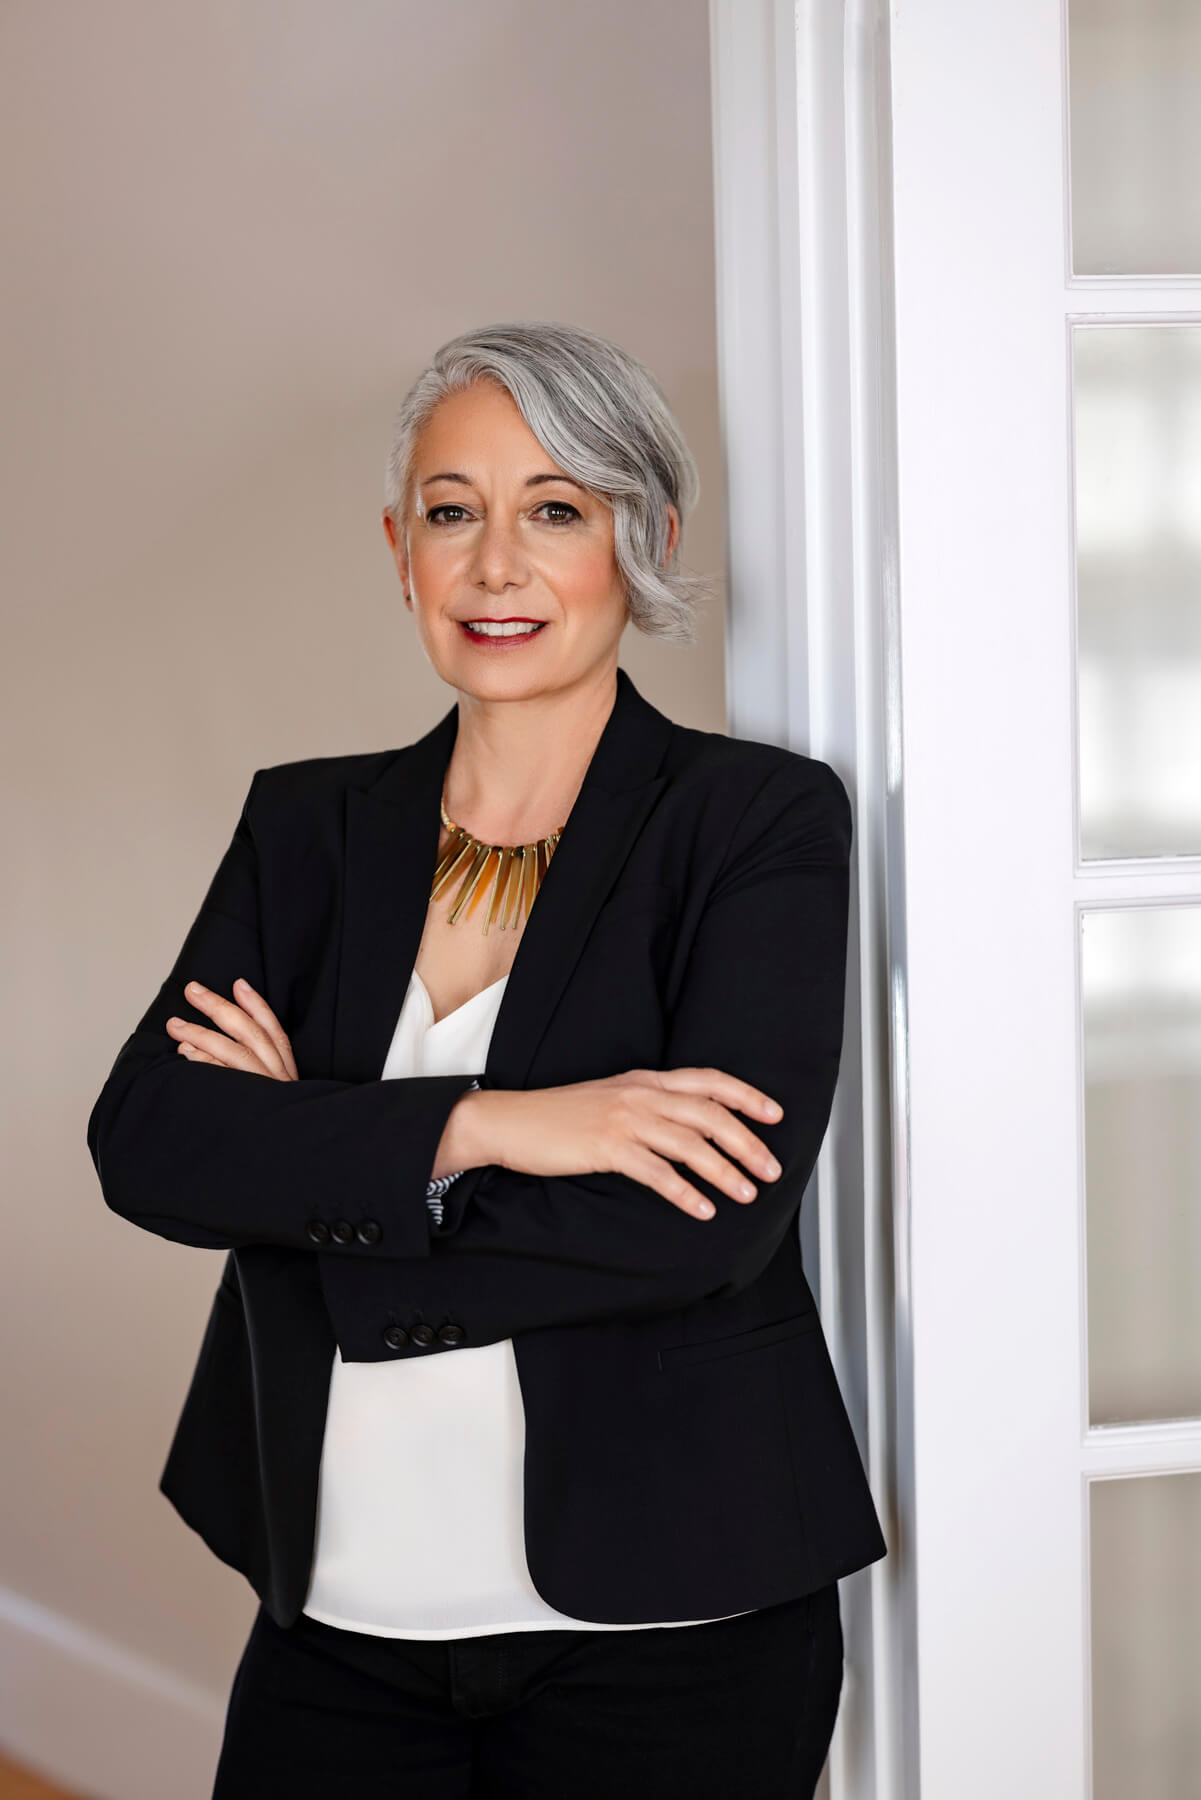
<point x="895" y="311"/>
<point x="803" y="243"/>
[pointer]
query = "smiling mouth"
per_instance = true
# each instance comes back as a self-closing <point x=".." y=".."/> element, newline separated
<point x="502" y="628"/>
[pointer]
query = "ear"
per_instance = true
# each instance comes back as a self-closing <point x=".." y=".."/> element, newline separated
<point x="400" y="552"/>
<point x="673" y="531"/>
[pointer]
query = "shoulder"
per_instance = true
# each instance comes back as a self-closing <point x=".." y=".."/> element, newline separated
<point x="303" y="790"/>
<point x="310" y="777"/>
<point x="750" y="786"/>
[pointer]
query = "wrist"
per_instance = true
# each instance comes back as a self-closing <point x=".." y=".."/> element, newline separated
<point x="471" y="1135"/>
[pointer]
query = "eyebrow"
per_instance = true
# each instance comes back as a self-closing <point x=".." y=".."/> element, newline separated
<point x="533" y="481"/>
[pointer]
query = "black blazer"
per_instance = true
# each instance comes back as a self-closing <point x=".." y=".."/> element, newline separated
<point x="688" y="1454"/>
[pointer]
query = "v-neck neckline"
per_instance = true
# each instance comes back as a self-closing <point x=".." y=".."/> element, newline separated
<point x="456" y="1010"/>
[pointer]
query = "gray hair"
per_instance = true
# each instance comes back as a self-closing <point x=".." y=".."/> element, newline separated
<point x="604" y="419"/>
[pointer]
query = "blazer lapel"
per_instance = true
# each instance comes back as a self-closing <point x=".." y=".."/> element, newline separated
<point x="391" y="848"/>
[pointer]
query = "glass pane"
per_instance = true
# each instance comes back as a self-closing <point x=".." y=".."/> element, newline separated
<point x="1142" y="1130"/>
<point x="1136" y="136"/>
<point x="1138" y="579"/>
<point x="1146" y="1637"/>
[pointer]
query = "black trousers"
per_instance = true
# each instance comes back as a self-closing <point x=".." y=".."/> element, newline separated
<point x="739" y="1706"/>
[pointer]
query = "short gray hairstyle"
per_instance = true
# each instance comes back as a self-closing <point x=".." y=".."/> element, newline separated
<point x="604" y="419"/>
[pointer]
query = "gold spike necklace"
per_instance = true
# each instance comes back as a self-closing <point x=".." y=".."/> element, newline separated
<point x="516" y="872"/>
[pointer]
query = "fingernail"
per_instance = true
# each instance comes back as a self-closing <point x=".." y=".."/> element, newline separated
<point x="773" y="1167"/>
<point x="240" y="983"/>
<point x="705" y="1208"/>
<point x="194" y="987"/>
<point x="175" y="1021"/>
<point x="774" y="1109"/>
<point x="747" y="1191"/>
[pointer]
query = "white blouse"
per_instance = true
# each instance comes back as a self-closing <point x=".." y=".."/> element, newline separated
<point x="420" y="1496"/>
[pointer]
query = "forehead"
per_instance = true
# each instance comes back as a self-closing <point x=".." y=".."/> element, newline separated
<point x="477" y="438"/>
<point x="474" y="424"/>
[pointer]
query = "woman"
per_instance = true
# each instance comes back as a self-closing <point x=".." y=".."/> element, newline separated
<point x="549" y="1010"/>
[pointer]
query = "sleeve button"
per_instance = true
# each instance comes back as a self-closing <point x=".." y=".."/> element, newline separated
<point x="422" y="1334"/>
<point x="369" y="1232"/>
<point x="317" y="1231"/>
<point x="396" y="1337"/>
<point x="342" y="1231"/>
<point x="451" y="1334"/>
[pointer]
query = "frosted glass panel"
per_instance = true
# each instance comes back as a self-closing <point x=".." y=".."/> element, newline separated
<point x="1136" y="136"/>
<point x="1138" y="580"/>
<point x="1142" y="1118"/>
<point x="1146" y="1637"/>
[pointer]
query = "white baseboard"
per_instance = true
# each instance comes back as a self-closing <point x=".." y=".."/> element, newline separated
<point x="108" y="1725"/>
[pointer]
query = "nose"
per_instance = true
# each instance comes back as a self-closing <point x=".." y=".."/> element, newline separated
<point x="499" y="561"/>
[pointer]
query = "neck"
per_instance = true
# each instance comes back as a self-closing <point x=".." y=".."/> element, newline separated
<point x="517" y="765"/>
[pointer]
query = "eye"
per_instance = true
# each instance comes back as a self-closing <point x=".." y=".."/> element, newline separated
<point x="566" y="513"/>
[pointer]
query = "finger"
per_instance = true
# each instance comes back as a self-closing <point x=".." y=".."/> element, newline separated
<point x="228" y="1056"/>
<point x="237" y="1024"/>
<point x="713" y="1120"/>
<point x="654" y="1172"/>
<point x="669" y="1138"/>
<point x="682" y="1106"/>
<point x="719" y="1085"/>
<point x="730" y="1090"/>
<point x="219" y="1048"/>
<point x="252" y="1002"/>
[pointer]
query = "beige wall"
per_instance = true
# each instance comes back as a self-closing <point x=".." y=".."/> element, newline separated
<point x="235" y="231"/>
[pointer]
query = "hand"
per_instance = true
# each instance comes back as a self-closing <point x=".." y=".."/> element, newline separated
<point x="637" y="1123"/>
<point x="254" y="1039"/>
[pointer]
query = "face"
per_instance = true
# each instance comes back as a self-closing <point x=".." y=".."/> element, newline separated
<point x="497" y="532"/>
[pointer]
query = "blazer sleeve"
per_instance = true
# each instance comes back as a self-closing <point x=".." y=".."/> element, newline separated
<point x="762" y="998"/>
<point x="221" y="1158"/>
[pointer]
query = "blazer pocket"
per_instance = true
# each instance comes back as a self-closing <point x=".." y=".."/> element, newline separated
<point x="676" y="1356"/>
